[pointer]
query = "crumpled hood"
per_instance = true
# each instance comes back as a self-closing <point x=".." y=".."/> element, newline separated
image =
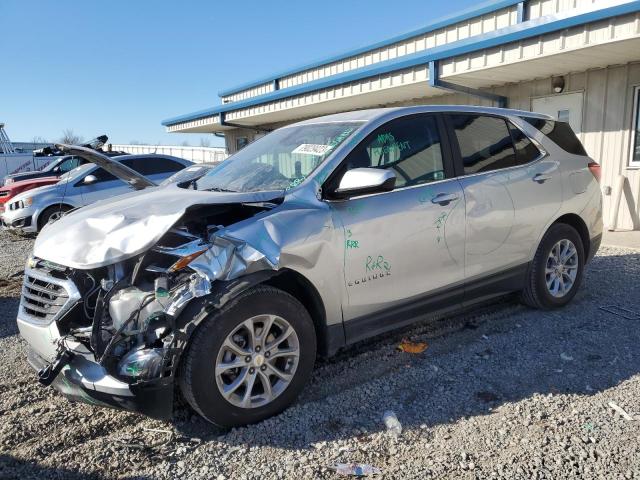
<point x="113" y="231"/>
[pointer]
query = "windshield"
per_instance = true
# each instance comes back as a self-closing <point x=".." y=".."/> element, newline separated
<point x="188" y="174"/>
<point x="77" y="172"/>
<point x="280" y="160"/>
<point x="51" y="165"/>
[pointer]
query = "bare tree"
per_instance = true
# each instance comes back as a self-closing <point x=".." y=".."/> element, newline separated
<point x="70" y="138"/>
<point x="135" y="142"/>
<point x="205" y="142"/>
<point x="185" y="144"/>
<point x="38" y="139"/>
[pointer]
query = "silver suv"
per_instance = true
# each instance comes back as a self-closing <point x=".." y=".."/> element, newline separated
<point x="316" y="236"/>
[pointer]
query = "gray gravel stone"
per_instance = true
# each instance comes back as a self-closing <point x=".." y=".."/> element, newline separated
<point x="492" y="397"/>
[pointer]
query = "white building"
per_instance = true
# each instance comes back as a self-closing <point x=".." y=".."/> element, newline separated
<point x="578" y="60"/>
<point x="193" y="154"/>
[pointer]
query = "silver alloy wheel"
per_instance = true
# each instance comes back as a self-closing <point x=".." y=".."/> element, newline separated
<point x="257" y="361"/>
<point x="562" y="268"/>
<point x="55" y="216"/>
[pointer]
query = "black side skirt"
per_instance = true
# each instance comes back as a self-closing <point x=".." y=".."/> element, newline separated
<point x="440" y="302"/>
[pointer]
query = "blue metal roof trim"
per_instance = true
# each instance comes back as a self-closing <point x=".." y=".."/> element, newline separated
<point x="481" y="9"/>
<point x="510" y="34"/>
<point x="187" y="117"/>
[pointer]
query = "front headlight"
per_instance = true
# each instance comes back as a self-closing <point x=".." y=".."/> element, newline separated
<point x="32" y="262"/>
<point x="27" y="202"/>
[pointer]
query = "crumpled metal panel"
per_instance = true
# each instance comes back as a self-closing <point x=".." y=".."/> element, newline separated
<point x="113" y="231"/>
<point x="298" y="235"/>
<point x="197" y="286"/>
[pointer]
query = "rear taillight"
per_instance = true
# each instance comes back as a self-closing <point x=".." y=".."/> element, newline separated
<point x="594" y="168"/>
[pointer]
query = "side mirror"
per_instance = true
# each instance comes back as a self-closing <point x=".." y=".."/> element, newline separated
<point x="89" y="179"/>
<point x="363" y="181"/>
<point x="56" y="169"/>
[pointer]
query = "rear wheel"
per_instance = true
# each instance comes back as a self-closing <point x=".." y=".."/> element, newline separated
<point x="51" y="214"/>
<point x="250" y="360"/>
<point x="557" y="268"/>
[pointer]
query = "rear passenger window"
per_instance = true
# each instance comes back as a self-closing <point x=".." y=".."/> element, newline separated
<point x="526" y="151"/>
<point x="485" y="143"/>
<point x="409" y="146"/>
<point x="559" y="133"/>
<point x="154" y="166"/>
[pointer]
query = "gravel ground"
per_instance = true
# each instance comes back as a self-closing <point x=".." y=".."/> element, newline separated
<point x="501" y="392"/>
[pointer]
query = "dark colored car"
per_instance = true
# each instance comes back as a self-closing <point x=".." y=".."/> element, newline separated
<point x="56" y="168"/>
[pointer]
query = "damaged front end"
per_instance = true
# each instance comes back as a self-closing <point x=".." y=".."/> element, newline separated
<point x="113" y="335"/>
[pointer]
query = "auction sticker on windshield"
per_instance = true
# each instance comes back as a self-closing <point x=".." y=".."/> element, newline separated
<point x="312" y="149"/>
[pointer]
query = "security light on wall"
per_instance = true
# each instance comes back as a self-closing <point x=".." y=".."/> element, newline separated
<point x="558" y="84"/>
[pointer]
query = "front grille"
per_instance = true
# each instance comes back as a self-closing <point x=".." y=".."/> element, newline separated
<point x="45" y="297"/>
<point x="42" y="299"/>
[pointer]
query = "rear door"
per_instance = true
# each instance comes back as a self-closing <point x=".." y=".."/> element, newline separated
<point x="512" y="191"/>
<point x="401" y="248"/>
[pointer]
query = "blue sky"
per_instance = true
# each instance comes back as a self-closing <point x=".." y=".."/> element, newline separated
<point x="121" y="67"/>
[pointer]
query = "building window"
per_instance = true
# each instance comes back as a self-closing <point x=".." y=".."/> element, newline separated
<point x="241" y="142"/>
<point x="634" y="161"/>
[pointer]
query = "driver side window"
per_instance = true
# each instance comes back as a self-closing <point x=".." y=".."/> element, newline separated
<point x="409" y="146"/>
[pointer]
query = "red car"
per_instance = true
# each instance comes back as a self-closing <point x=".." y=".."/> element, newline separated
<point x="9" y="191"/>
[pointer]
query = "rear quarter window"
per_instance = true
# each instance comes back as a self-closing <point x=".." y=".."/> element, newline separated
<point x="526" y="151"/>
<point x="559" y="133"/>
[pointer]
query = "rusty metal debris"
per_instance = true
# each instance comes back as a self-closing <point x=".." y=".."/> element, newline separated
<point x="408" y="346"/>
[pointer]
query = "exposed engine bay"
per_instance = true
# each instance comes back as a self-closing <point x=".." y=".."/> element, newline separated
<point x="126" y="315"/>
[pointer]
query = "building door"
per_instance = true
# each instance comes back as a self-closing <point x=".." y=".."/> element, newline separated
<point x="565" y="107"/>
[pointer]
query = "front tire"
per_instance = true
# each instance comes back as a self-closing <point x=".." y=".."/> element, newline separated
<point x="250" y="360"/>
<point x="51" y="214"/>
<point x="557" y="269"/>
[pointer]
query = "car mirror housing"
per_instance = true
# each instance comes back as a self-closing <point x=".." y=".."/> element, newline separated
<point x="363" y="181"/>
<point x="89" y="179"/>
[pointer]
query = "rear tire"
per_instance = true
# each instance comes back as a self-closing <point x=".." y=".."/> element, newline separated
<point x="557" y="268"/>
<point x="230" y="354"/>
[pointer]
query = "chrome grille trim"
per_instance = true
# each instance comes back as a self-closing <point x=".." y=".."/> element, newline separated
<point x="45" y="298"/>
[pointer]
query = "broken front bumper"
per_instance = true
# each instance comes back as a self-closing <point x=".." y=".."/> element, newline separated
<point x="84" y="380"/>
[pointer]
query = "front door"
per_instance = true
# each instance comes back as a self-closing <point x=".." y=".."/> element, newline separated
<point x="404" y="245"/>
<point x="105" y="186"/>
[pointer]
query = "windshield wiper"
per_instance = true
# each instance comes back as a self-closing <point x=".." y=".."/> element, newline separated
<point x="219" y="189"/>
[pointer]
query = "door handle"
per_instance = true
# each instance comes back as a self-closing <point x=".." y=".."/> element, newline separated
<point x="444" y="198"/>
<point x="541" y="178"/>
